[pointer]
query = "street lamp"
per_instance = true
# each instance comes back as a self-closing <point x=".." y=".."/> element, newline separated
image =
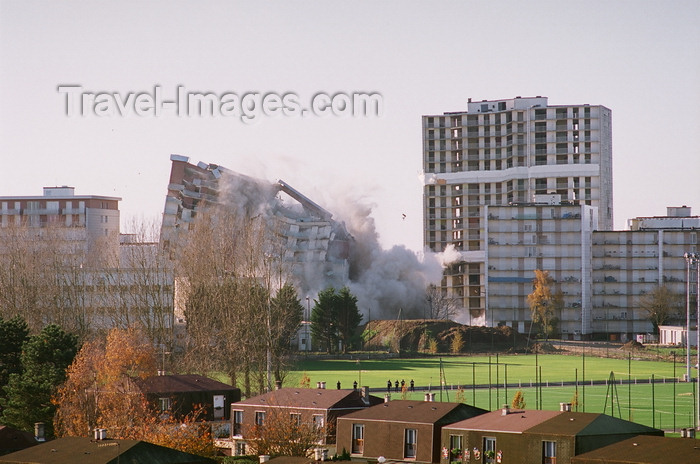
<point x="306" y="325"/>
<point x="690" y="260"/>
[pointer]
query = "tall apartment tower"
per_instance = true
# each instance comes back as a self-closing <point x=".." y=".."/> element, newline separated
<point x="504" y="152"/>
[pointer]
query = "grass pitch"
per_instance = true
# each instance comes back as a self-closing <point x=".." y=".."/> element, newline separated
<point x="664" y="404"/>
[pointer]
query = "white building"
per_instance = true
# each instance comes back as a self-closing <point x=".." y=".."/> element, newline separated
<point x="503" y="152"/>
<point x="89" y="223"/>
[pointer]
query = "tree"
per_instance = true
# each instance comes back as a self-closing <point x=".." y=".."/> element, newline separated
<point x="335" y="317"/>
<point x="541" y="302"/>
<point x="440" y="306"/>
<point x="100" y="392"/>
<point x="457" y="342"/>
<point x="661" y="305"/>
<point x="323" y="319"/>
<point x="13" y="333"/>
<point x="349" y="318"/>
<point x="45" y="358"/>
<point x="285" y="434"/>
<point x="286" y="314"/>
<point x="518" y="401"/>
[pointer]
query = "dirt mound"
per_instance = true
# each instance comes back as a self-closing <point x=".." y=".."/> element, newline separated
<point x="543" y="348"/>
<point x="440" y="336"/>
<point x="632" y="345"/>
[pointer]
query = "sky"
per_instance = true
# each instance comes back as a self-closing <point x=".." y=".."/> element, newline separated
<point x="639" y="58"/>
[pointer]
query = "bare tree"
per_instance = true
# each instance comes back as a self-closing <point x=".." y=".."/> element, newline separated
<point x="285" y="434"/>
<point x="439" y="304"/>
<point x="661" y="305"/>
<point x="231" y="266"/>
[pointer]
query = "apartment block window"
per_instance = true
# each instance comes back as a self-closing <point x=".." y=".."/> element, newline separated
<point x="501" y="106"/>
<point x="489" y="450"/>
<point x="430" y="122"/>
<point x="410" y="441"/>
<point x="358" y="438"/>
<point x="549" y="452"/>
<point x="237" y="422"/>
<point x="260" y="418"/>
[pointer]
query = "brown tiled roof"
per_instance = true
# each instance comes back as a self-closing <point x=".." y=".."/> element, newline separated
<point x="75" y="450"/>
<point x="14" y="440"/>
<point x="418" y="412"/>
<point x="516" y="421"/>
<point x="644" y="449"/>
<point x="180" y="384"/>
<point x="310" y="398"/>
<point x="583" y="424"/>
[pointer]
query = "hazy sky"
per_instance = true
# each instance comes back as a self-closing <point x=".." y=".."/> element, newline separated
<point x="639" y="58"/>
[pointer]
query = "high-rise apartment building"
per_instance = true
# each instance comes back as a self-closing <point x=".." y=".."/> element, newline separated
<point x="504" y="152"/>
<point x="87" y="224"/>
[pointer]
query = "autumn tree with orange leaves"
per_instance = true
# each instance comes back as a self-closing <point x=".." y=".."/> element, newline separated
<point x="100" y="392"/>
<point x="543" y="303"/>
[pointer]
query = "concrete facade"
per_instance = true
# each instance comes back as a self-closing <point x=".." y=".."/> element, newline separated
<point x="89" y="223"/>
<point x="551" y="237"/>
<point x="503" y="152"/>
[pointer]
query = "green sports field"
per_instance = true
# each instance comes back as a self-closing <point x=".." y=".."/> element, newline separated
<point x="664" y="404"/>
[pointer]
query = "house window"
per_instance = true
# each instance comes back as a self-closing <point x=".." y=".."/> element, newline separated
<point x="358" y="438"/>
<point x="489" y="450"/>
<point x="410" y="438"/>
<point x="295" y="418"/>
<point x="260" y="418"/>
<point x="164" y="404"/>
<point x="456" y="450"/>
<point x="237" y="422"/>
<point x="549" y="452"/>
<point x="240" y="449"/>
<point x="318" y="421"/>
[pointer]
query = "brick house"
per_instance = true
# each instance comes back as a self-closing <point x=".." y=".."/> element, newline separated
<point x="319" y="406"/>
<point x="644" y="449"/>
<point x="180" y="394"/>
<point x="400" y="430"/>
<point x="533" y="437"/>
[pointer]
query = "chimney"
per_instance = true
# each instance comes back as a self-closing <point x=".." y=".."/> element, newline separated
<point x="278" y="384"/>
<point x="427" y="397"/>
<point x="264" y="458"/>
<point x="364" y="394"/>
<point x="161" y="373"/>
<point x="318" y="385"/>
<point x="39" y="432"/>
<point x="432" y="397"/>
<point x="323" y="385"/>
<point x="565" y="407"/>
<point x="505" y="410"/>
<point x="100" y="434"/>
<point x="387" y="397"/>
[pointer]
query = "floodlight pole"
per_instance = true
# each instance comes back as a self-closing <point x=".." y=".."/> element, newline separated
<point x="694" y="259"/>
<point x="688" y="260"/>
